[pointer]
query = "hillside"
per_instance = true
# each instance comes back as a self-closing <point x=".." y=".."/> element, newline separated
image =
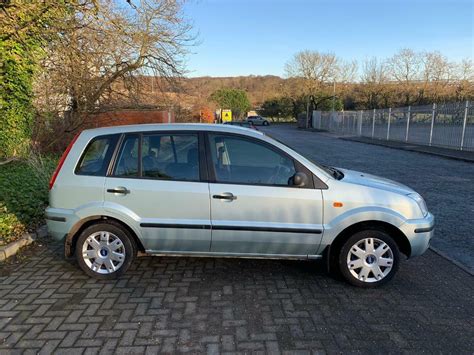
<point x="193" y="93"/>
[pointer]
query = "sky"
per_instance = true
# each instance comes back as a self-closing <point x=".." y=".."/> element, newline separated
<point x="257" y="37"/>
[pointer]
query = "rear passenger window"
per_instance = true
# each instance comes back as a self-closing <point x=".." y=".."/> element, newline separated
<point x="96" y="156"/>
<point x="127" y="160"/>
<point x="170" y="157"/>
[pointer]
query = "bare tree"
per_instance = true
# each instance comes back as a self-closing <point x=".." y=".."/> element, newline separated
<point x="112" y="45"/>
<point x="374" y="71"/>
<point x="405" y="68"/>
<point x="464" y="70"/>
<point x="346" y="71"/>
<point x="373" y="86"/>
<point x="464" y="76"/>
<point x="436" y="75"/>
<point x="436" y="67"/>
<point x="316" y="70"/>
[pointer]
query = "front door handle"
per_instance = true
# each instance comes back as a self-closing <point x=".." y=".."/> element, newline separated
<point x="119" y="190"/>
<point x="225" y="196"/>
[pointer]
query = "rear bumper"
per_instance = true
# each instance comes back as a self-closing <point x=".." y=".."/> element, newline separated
<point x="60" y="222"/>
<point x="419" y="233"/>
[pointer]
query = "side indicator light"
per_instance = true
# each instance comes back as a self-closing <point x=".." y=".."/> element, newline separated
<point x="337" y="204"/>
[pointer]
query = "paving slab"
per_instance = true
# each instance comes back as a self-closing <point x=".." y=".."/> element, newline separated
<point x="204" y="305"/>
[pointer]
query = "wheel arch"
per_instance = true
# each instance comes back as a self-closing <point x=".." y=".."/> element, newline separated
<point x="76" y="230"/>
<point x="398" y="236"/>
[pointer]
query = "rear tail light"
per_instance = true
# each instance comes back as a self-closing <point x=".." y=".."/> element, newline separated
<point x="61" y="161"/>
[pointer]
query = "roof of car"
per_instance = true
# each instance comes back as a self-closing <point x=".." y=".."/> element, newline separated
<point x="174" y="127"/>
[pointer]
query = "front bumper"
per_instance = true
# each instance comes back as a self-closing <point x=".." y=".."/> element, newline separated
<point x="419" y="233"/>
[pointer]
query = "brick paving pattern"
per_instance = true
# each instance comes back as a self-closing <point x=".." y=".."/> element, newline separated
<point x="204" y="305"/>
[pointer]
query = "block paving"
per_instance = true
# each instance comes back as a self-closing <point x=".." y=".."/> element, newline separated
<point x="205" y="305"/>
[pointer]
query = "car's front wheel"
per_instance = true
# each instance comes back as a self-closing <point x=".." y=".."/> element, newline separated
<point x="105" y="250"/>
<point x="265" y="123"/>
<point x="369" y="258"/>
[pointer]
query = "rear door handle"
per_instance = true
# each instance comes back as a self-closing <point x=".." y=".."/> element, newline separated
<point x="119" y="190"/>
<point x="225" y="196"/>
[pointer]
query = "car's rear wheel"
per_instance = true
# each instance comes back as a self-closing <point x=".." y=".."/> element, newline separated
<point x="105" y="250"/>
<point x="369" y="258"/>
<point x="265" y="123"/>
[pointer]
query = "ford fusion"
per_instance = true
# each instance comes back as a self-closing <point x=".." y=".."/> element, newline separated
<point x="226" y="191"/>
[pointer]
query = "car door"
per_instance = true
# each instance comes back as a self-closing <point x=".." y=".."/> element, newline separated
<point x="254" y="209"/>
<point x="157" y="181"/>
<point x="254" y="120"/>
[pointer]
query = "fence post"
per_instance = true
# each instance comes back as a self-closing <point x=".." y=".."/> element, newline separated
<point x="360" y="123"/>
<point x="343" y="121"/>
<point x="388" y="124"/>
<point x="408" y="123"/>
<point x="307" y="115"/>
<point x="433" y="114"/>
<point x="464" y="123"/>
<point x="373" y="124"/>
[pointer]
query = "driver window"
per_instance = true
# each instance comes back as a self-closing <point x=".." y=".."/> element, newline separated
<point x="240" y="160"/>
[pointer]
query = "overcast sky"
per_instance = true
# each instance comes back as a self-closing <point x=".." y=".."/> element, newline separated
<point x="243" y="37"/>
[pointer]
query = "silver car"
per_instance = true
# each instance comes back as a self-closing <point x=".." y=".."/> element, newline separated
<point x="258" y="121"/>
<point x="224" y="191"/>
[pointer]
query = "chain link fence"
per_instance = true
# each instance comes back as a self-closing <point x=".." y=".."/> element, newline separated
<point x="449" y="125"/>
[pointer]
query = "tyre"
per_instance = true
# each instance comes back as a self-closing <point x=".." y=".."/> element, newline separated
<point x="105" y="250"/>
<point x="369" y="258"/>
<point x="265" y="123"/>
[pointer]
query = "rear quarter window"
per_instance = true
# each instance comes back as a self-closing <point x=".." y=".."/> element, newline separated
<point x="96" y="157"/>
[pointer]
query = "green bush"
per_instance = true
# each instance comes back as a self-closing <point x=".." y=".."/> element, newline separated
<point x="233" y="99"/>
<point x="281" y="107"/>
<point x="23" y="196"/>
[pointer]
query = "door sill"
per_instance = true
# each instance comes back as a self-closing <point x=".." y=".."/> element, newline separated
<point x="230" y="255"/>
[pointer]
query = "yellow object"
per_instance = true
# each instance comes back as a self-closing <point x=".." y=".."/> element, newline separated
<point x="226" y="115"/>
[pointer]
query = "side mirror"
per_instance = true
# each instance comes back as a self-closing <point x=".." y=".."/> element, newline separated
<point x="299" y="179"/>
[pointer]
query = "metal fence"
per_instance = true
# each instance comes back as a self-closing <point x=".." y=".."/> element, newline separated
<point x="448" y="125"/>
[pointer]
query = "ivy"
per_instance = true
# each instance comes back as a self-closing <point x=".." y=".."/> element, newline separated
<point x="17" y="67"/>
<point x="26" y="28"/>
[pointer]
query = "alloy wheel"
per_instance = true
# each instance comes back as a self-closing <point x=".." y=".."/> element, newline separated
<point x="370" y="260"/>
<point x="103" y="252"/>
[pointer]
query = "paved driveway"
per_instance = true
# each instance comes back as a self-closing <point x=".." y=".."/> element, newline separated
<point x="447" y="185"/>
<point x="203" y="305"/>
